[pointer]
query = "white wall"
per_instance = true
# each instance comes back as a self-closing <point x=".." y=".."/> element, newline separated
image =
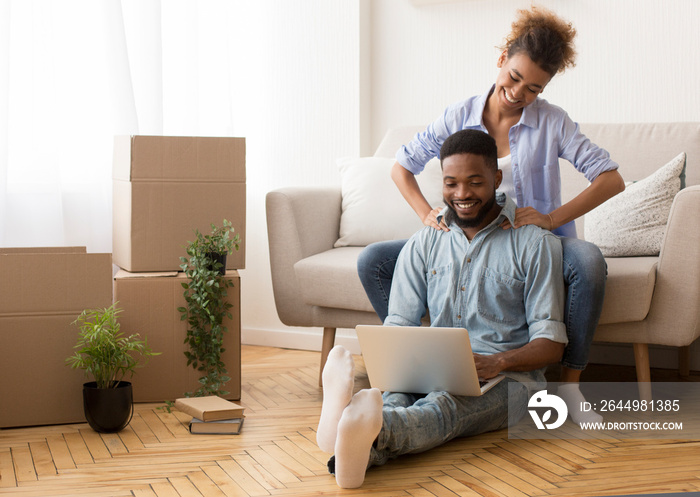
<point x="302" y="110"/>
<point x="637" y="59"/>
<point x="637" y="62"/>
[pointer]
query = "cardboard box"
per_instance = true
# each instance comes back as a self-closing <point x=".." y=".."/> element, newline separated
<point x="43" y="291"/>
<point x="149" y="303"/>
<point x="164" y="187"/>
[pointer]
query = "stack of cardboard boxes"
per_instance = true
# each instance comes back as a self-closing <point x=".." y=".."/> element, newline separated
<point x="42" y="291"/>
<point x="164" y="189"/>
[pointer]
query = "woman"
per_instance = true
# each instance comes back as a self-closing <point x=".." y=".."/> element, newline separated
<point x="531" y="135"/>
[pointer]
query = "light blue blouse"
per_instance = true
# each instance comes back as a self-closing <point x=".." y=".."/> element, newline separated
<point x="544" y="133"/>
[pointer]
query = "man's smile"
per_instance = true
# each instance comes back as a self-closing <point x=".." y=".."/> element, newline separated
<point x="464" y="205"/>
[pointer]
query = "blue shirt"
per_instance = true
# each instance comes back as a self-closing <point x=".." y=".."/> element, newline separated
<point x="544" y="133"/>
<point x="505" y="286"/>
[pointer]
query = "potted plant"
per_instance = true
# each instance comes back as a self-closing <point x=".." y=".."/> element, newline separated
<point x="107" y="355"/>
<point x="214" y="247"/>
<point x="207" y="307"/>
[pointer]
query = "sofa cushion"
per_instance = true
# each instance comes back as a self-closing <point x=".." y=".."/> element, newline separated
<point x="373" y="209"/>
<point x="633" y="223"/>
<point x="629" y="288"/>
<point x="330" y="279"/>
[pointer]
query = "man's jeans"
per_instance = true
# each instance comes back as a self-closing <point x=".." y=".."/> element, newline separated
<point x="585" y="272"/>
<point x="415" y="423"/>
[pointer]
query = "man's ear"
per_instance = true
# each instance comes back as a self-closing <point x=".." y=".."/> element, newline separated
<point x="498" y="178"/>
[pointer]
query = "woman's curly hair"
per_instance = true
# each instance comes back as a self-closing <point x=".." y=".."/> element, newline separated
<point x="546" y="38"/>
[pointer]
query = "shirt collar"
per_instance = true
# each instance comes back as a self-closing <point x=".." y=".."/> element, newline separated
<point x="507" y="212"/>
<point x="475" y="118"/>
<point x="529" y="117"/>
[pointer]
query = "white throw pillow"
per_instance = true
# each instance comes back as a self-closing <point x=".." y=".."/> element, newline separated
<point x="633" y="223"/>
<point x="373" y="208"/>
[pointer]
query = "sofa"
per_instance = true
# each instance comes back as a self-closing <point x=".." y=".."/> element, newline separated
<point x="653" y="287"/>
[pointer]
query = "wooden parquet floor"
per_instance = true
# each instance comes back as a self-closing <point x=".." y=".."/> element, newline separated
<point x="276" y="454"/>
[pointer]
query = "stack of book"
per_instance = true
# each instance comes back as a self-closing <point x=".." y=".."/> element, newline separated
<point x="212" y="415"/>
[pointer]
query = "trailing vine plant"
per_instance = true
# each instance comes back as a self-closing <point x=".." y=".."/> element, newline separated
<point x="207" y="307"/>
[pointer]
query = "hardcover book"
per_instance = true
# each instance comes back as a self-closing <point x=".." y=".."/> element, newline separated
<point x="219" y="427"/>
<point x="211" y="408"/>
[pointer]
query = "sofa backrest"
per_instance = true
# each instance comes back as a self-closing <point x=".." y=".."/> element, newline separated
<point x="639" y="149"/>
<point x="394" y="138"/>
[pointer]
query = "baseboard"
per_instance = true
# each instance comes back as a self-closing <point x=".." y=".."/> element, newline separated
<point x="623" y="355"/>
<point x="299" y="338"/>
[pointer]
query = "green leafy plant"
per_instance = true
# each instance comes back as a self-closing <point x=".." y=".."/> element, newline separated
<point x="103" y="351"/>
<point x="207" y="307"/>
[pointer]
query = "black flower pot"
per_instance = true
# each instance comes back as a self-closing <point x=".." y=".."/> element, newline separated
<point x="215" y="257"/>
<point x="108" y="410"/>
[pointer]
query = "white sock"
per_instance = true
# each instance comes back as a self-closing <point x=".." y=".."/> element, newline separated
<point x="572" y="396"/>
<point x="358" y="428"/>
<point x="338" y="382"/>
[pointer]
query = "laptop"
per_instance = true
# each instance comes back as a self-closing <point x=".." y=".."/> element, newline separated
<point x="421" y="359"/>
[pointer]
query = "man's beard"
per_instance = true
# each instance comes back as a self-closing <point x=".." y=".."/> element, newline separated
<point x="452" y="217"/>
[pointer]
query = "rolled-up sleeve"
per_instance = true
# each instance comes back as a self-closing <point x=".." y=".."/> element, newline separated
<point x="426" y="144"/>
<point x="587" y="157"/>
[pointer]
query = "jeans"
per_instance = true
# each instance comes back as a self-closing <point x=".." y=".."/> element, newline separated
<point x="585" y="273"/>
<point x="415" y="423"/>
<point x="375" y="266"/>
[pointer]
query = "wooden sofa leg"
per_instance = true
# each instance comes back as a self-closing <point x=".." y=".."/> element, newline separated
<point x="641" y="360"/>
<point x="684" y="360"/>
<point x="326" y="346"/>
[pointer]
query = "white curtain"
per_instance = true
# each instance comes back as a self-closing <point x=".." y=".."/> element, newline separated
<point x="74" y="73"/>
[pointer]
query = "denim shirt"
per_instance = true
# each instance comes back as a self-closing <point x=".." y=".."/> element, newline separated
<point x="505" y="286"/>
<point x="544" y="133"/>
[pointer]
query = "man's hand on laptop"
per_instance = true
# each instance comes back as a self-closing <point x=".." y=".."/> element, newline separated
<point x="488" y="366"/>
<point x="535" y="354"/>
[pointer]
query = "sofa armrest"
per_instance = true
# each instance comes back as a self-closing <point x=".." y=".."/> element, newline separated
<point x="301" y="221"/>
<point x="674" y="312"/>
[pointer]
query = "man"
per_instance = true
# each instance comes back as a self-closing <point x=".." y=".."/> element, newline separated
<point x="504" y="285"/>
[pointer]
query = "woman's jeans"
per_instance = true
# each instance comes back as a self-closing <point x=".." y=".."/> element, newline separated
<point x="415" y="423"/>
<point x="585" y="272"/>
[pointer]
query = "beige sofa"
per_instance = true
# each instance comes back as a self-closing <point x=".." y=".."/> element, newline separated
<point x="649" y="300"/>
